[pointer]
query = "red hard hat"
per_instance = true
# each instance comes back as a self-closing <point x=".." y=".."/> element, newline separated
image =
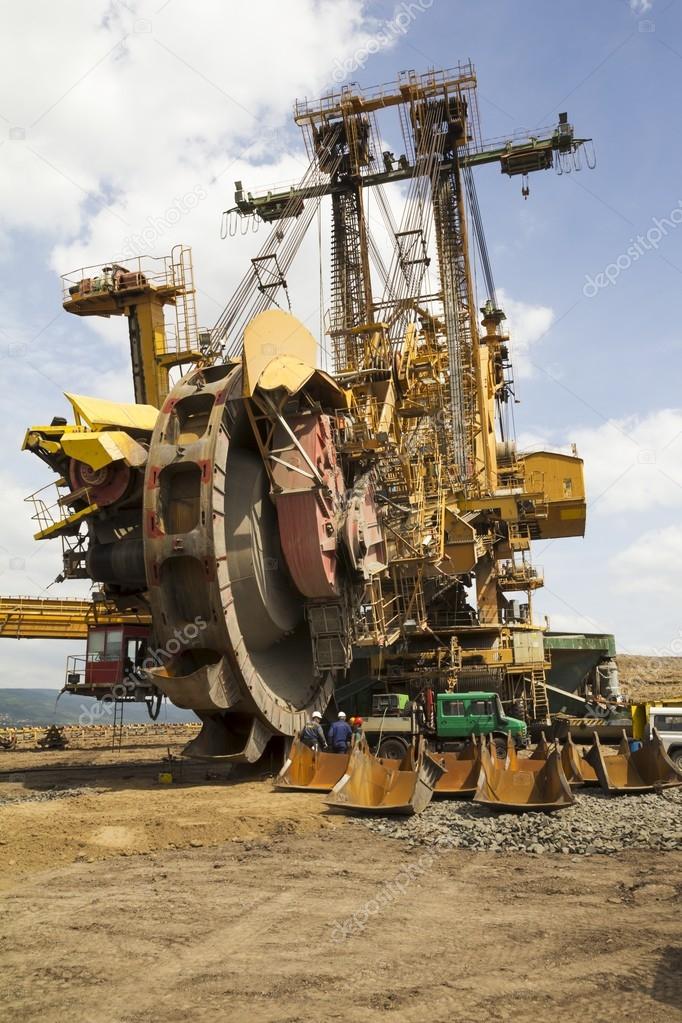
<point x="358" y="721"/>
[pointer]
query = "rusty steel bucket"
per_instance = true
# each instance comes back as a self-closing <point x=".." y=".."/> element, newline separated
<point x="576" y="768"/>
<point x="643" y="770"/>
<point x="311" y="770"/>
<point x="512" y="786"/>
<point x="375" y="785"/>
<point x="461" y="771"/>
<point x="535" y="763"/>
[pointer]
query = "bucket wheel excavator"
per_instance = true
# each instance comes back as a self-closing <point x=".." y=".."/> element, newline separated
<point x="290" y="528"/>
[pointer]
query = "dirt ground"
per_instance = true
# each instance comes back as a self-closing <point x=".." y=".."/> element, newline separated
<point x="127" y="901"/>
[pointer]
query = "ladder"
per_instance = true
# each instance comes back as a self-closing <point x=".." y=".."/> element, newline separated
<point x="538" y="696"/>
<point x="182" y="277"/>
<point x="117" y="730"/>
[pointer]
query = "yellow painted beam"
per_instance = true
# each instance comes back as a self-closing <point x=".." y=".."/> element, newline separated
<point x="43" y="618"/>
<point x="101" y="447"/>
<point x="100" y="413"/>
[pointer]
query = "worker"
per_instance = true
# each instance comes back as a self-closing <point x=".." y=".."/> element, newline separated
<point x="312" y="734"/>
<point x="340" y="734"/>
<point x="418" y="708"/>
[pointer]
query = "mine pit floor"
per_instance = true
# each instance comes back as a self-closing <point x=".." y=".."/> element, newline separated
<point x="125" y="901"/>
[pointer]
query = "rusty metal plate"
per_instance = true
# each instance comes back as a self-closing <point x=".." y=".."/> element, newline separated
<point x="311" y="770"/>
<point x="643" y="770"/>
<point x="506" y="786"/>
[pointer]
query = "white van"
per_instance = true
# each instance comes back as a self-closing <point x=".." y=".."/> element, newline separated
<point x="668" y="723"/>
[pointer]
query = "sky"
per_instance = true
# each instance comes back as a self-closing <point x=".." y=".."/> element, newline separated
<point x="123" y="127"/>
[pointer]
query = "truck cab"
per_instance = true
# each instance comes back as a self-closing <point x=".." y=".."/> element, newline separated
<point x="668" y="723"/>
<point x="456" y="717"/>
<point x="461" y="715"/>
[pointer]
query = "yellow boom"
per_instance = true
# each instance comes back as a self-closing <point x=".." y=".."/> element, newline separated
<point x="39" y="618"/>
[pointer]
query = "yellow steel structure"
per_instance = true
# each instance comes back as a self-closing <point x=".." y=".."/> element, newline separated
<point x="100" y="414"/>
<point x="141" y="291"/>
<point x="105" y="434"/>
<point x="43" y="618"/>
<point x="103" y="447"/>
<point x="424" y="406"/>
<point x="389" y="488"/>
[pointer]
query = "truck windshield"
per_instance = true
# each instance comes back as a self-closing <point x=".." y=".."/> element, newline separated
<point x="481" y="707"/>
<point x="453" y="708"/>
<point x="668" y="722"/>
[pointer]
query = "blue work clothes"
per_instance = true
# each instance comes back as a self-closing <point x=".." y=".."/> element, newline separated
<point x="340" y="735"/>
<point x="313" y="736"/>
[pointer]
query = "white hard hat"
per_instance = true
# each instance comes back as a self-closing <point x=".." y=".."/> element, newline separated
<point x="316" y="714"/>
<point x="342" y="715"/>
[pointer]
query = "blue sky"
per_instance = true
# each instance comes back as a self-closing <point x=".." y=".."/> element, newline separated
<point x="111" y="117"/>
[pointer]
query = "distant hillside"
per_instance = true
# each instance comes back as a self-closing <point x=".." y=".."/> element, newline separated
<point x="19" y="707"/>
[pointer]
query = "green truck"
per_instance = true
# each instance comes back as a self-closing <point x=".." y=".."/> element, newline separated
<point x="395" y="721"/>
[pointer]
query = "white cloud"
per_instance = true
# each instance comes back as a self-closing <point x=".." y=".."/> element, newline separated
<point x="632" y="464"/>
<point x="527" y="324"/>
<point x="115" y="124"/>
<point x="37" y="664"/>
<point x="115" y="109"/>
<point x="624" y="574"/>
<point x="564" y="618"/>
<point x="28" y="566"/>
<point x="651" y="563"/>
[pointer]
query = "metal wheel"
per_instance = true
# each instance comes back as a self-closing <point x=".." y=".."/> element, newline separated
<point x="229" y="626"/>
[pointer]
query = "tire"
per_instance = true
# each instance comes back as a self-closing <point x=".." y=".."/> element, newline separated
<point x="500" y="747"/>
<point x="392" y="749"/>
<point x="676" y="757"/>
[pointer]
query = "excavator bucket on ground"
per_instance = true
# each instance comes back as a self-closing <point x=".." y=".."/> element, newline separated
<point x="577" y="770"/>
<point x="536" y="762"/>
<point x="375" y="785"/>
<point x="540" y="754"/>
<point x="641" y="770"/>
<point x="461" y="770"/>
<point x="310" y="770"/>
<point x="513" y="786"/>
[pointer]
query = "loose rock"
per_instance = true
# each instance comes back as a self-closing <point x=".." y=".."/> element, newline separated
<point x="597" y="825"/>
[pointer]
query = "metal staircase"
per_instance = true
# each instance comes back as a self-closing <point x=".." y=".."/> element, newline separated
<point x="538" y="696"/>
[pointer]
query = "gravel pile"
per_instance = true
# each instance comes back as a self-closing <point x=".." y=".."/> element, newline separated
<point x="597" y="824"/>
<point x="44" y="795"/>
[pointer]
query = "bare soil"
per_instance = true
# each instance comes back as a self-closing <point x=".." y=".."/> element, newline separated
<point x="126" y="901"/>
<point x="651" y="679"/>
